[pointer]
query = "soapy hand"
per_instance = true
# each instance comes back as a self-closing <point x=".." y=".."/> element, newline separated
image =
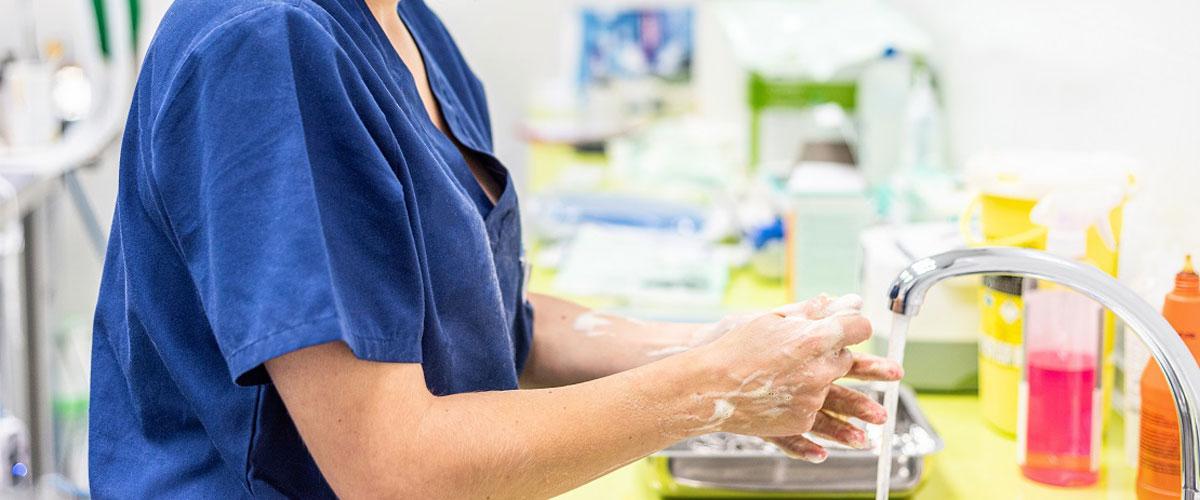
<point x="773" y="377"/>
<point x="842" y="403"/>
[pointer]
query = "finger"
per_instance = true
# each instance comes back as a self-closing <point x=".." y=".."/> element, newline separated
<point x="869" y="367"/>
<point x="843" y="361"/>
<point x="847" y="304"/>
<point x="842" y="331"/>
<point x="835" y="429"/>
<point x="851" y="403"/>
<point x="813" y="308"/>
<point x="855" y="329"/>
<point x="800" y="448"/>
<point x="824" y="306"/>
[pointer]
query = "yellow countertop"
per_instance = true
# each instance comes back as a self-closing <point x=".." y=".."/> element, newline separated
<point x="977" y="463"/>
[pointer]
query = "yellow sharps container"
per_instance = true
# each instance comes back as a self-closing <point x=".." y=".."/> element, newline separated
<point x="1008" y="185"/>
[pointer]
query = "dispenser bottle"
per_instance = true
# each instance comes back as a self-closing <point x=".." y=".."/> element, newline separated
<point x="1059" y="416"/>
<point x="1158" y="451"/>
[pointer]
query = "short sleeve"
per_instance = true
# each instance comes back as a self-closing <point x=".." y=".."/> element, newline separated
<point x="293" y="224"/>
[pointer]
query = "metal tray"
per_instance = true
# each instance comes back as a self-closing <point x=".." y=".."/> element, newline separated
<point x="747" y="464"/>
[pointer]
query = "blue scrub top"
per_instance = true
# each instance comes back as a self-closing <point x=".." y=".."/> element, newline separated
<point x="282" y="186"/>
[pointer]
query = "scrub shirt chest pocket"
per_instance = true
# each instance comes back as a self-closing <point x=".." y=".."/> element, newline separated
<point x="504" y="237"/>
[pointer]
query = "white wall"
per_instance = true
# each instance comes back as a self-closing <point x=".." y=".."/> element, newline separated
<point x="1106" y="74"/>
<point x="510" y="45"/>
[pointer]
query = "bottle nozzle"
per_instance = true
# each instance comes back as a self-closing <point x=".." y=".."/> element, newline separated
<point x="1068" y="213"/>
<point x="1187" y="281"/>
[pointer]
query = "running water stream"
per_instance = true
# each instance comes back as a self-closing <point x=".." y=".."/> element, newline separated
<point x="891" y="396"/>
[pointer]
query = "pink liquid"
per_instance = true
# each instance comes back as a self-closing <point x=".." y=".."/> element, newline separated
<point x="1058" y="445"/>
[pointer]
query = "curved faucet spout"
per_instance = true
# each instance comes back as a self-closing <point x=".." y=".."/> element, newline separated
<point x="1182" y="374"/>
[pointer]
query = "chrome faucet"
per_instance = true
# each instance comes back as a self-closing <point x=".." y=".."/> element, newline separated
<point x="1182" y="374"/>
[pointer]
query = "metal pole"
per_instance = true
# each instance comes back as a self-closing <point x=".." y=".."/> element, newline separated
<point x="38" y="344"/>
<point x="13" y="398"/>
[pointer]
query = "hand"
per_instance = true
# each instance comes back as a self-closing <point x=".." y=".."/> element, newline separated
<point x="706" y="333"/>
<point x="773" y="377"/>
<point x="840" y="404"/>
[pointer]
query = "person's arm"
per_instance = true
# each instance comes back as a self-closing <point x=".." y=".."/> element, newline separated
<point x="375" y="430"/>
<point x="574" y="344"/>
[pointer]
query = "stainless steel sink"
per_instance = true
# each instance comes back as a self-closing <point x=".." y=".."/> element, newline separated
<point x="734" y="463"/>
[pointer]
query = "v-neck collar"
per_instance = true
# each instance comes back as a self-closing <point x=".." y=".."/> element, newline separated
<point x="447" y="102"/>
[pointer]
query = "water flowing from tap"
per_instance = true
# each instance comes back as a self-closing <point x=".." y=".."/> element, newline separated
<point x="891" y="397"/>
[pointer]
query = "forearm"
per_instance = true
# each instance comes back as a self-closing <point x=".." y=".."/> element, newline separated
<point x="573" y="343"/>
<point x="538" y="443"/>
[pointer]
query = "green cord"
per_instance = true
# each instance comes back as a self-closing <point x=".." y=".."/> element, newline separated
<point x="102" y="23"/>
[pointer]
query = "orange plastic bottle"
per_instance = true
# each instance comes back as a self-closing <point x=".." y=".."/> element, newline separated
<point x="1158" y="454"/>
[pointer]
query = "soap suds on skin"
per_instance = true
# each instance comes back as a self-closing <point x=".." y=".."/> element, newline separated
<point x="722" y="410"/>
<point x="773" y="412"/>
<point x="592" y="324"/>
<point x="720" y="328"/>
<point x="848" y="302"/>
<point x="831" y="324"/>
<point x="667" y="351"/>
<point x="765" y="393"/>
<point x="829" y="306"/>
<point x="595" y="323"/>
<point x="801" y="308"/>
<point x="702" y="335"/>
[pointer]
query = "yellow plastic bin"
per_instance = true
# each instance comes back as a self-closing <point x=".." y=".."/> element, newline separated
<point x="1008" y="187"/>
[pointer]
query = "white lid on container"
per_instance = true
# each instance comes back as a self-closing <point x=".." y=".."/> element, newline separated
<point x="826" y="178"/>
<point x="1032" y="174"/>
<point x="1068" y="214"/>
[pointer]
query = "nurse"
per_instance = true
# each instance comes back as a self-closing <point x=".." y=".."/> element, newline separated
<point x="314" y="288"/>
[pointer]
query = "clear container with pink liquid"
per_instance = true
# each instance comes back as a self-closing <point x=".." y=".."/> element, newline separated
<point x="1059" y="409"/>
<point x="1059" y="415"/>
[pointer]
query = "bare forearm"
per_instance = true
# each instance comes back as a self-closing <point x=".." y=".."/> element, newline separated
<point x="574" y="344"/>
<point x="537" y="443"/>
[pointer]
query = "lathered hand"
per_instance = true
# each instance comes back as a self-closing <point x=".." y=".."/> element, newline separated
<point x="774" y="377"/>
